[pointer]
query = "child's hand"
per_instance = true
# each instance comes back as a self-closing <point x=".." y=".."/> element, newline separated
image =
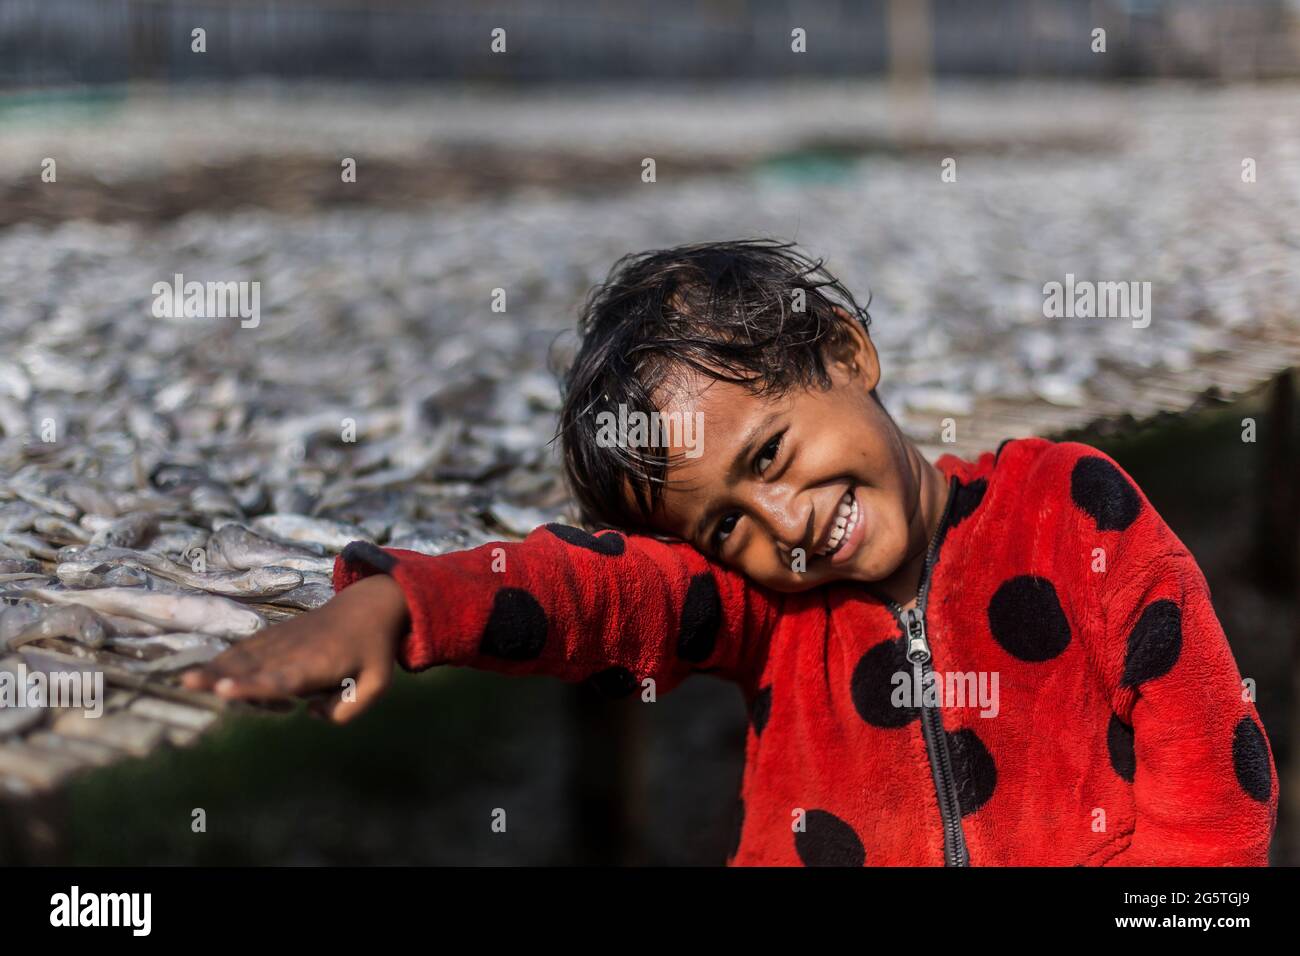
<point x="355" y="635"/>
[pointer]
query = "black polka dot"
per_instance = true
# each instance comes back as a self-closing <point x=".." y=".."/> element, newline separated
<point x="611" y="543"/>
<point x="516" y="628"/>
<point x="826" y="840"/>
<point x="1119" y="741"/>
<point x="367" y="553"/>
<point x="966" y="498"/>
<point x="613" y="682"/>
<point x="1154" y="643"/>
<point x="1100" y="489"/>
<point x="737" y="826"/>
<point x="871" y="687"/>
<point x="1026" y="619"/>
<point x="701" y="619"/>
<point x="761" y="709"/>
<point x="972" y="768"/>
<point x="1250" y="760"/>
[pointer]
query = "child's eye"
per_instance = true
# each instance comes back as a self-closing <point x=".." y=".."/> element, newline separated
<point x="768" y="454"/>
<point x="724" y="528"/>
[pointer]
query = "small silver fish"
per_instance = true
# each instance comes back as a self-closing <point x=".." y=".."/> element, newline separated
<point x="203" y="614"/>
<point x="60" y="530"/>
<point x="16" y="720"/>
<point x="519" y="520"/>
<point x="16" y="618"/>
<point x="29" y="544"/>
<point x="234" y="546"/>
<point x="49" y="505"/>
<point x="127" y="532"/>
<point x="90" y="498"/>
<point x="24" y="580"/>
<point x="20" y="566"/>
<point x="182" y="651"/>
<point x="296" y="528"/>
<point x="306" y="597"/>
<point x="253" y="583"/>
<point x="18" y="516"/>
<point x="126" y="576"/>
<point x="74" y="622"/>
<point x="130" y="626"/>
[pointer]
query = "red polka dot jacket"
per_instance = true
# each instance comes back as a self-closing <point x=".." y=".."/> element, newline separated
<point x="1062" y="693"/>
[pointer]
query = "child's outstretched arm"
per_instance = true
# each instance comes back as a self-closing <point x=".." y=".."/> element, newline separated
<point x="614" y="609"/>
<point x="1184" y="731"/>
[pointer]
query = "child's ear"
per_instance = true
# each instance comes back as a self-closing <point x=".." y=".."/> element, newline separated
<point x="855" y="351"/>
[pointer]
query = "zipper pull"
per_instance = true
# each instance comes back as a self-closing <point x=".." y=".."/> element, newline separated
<point x="918" y="648"/>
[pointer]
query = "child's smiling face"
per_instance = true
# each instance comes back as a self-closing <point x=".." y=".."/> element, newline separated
<point x="825" y="471"/>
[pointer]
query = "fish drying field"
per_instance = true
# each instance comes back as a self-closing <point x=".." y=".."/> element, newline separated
<point x="169" y="486"/>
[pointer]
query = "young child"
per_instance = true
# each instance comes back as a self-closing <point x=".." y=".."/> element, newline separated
<point x="1011" y="660"/>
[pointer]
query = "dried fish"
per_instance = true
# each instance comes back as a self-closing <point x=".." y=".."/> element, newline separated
<point x="204" y="614"/>
<point x="178" y="538"/>
<point x="98" y="574"/>
<point x="20" y="566"/>
<point x="518" y="520"/>
<point x="46" y="503"/>
<point x="234" y="546"/>
<point x="130" y="626"/>
<point x="17" y="583"/>
<point x="303" y="529"/>
<point x="254" y="583"/>
<point x="17" y="618"/>
<point x="60" y="530"/>
<point x="16" y="719"/>
<point x="306" y="597"/>
<point x="8" y="553"/>
<point x="29" y="544"/>
<point x="179" y="651"/>
<point x="74" y="622"/>
<point x="16" y="516"/>
<point x="90" y="497"/>
<point x="214" y="499"/>
<point x="126" y="532"/>
<point x="168" y="642"/>
<point x="125" y="576"/>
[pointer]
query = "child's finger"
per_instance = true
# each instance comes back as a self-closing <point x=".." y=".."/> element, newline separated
<point x="328" y="708"/>
<point x="276" y="680"/>
<point x="246" y="657"/>
<point x="237" y="662"/>
<point x="290" y="671"/>
<point x="196" y="679"/>
<point x="350" y="703"/>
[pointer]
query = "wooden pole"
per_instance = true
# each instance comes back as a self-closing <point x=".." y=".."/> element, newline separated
<point x="911" y="66"/>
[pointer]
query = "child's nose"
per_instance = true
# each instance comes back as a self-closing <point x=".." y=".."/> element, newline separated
<point x="786" y="520"/>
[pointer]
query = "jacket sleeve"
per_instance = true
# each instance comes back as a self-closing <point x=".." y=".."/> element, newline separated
<point x="610" y="608"/>
<point x="1184" y="730"/>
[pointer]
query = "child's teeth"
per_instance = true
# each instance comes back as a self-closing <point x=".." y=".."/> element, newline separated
<point x="845" y="519"/>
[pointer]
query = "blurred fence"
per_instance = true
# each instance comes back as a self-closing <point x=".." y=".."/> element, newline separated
<point x="50" y="42"/>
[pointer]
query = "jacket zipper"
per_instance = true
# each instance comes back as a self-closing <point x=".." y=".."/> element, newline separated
<point x="912" y="623"/>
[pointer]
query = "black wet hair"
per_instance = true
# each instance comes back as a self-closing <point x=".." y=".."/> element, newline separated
<point x="724" y="309"/>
